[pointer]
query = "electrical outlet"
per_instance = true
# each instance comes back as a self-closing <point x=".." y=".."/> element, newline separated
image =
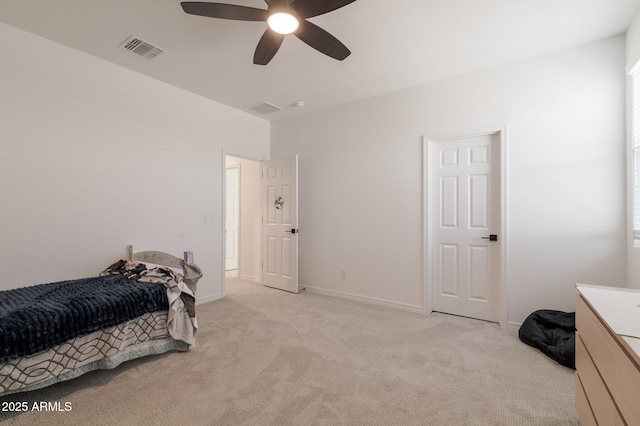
<point x="343" y="274"/>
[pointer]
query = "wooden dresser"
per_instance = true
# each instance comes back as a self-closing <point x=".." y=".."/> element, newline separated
<point x="607" y="358"/>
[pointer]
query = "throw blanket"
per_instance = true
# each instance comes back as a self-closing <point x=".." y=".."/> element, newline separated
<point x="36" y="318"/>
<point x="182" y="323"/>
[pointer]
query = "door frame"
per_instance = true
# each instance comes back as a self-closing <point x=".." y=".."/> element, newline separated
<point x="428" y="142"/>
<point x="238" y="214"/>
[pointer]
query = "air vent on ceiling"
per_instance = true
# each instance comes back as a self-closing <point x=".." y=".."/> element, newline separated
<point x="264" y="108"/>
<point x="141" y="47"/>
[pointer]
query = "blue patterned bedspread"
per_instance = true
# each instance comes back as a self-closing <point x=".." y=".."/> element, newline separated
<point x="36" y="318"/>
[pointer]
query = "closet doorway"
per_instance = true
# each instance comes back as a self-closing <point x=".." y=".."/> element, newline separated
<point x="243" y="219"/>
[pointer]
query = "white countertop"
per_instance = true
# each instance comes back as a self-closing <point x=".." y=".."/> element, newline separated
<point x="619" y="308"/>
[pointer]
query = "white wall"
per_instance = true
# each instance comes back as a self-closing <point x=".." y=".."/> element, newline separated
<point x="96" y="157"/>
<point x="250" y="253"/>
<point x="633" y="57"/>
<point x="360" y="178"/>
<point x="633" y="43"/>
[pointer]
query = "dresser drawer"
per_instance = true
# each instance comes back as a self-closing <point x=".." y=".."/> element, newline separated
<point x="585" y="415"/>
<point x="604" y="409"/>
<point x="616" y="369"/>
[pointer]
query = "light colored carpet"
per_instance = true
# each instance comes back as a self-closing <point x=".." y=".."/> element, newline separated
<point x="266" y="357"/>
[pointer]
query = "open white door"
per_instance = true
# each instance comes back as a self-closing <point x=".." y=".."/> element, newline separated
<point x="280" y="223"/>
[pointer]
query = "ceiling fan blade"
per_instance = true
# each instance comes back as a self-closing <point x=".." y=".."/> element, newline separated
<point x="267" y="47"/>
<point x="224" y="11"/>
<point x="321" y="40"/>
<point x="310" y="8"/>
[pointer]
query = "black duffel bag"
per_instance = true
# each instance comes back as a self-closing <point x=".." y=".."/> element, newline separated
<point x="554" y="333"/>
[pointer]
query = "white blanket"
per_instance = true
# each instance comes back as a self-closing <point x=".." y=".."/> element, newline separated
<point x="181" y="288"/>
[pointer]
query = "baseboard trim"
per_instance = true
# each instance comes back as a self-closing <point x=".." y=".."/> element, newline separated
<point x="201" y="300"/>
<point x="365" y="299"/>
<point x="256" y="280"/>
<point x="512" y="325"/>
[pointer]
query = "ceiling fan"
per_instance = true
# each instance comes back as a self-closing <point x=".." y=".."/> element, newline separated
<point x="283" y="17"/>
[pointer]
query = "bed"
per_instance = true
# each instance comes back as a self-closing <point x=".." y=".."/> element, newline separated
<point x="144" y="305"/>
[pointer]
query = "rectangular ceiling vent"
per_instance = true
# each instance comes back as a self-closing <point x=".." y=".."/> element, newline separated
<point x="264" y="108"/>
<point x="141" y="47"/>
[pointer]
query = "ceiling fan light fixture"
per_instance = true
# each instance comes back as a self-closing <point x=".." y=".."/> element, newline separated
<point x="283" y="17"/>
<point x="283" y="22"/>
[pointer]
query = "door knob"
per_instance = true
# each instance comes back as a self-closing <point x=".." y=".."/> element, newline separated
<point x="292" y="231"/>
<point x="492" y="237"/>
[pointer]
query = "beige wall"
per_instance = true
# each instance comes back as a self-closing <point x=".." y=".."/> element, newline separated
<point x="360" y="179"/>
<point x="96" y="157"/>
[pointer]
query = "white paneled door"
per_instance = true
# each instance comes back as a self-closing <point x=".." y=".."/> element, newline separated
<point x="280" y="223"/>
<point x="232" y="217"/>
<point x="465" y="224"/>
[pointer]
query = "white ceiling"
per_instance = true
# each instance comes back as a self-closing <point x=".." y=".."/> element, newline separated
<point x="394" y="44"/>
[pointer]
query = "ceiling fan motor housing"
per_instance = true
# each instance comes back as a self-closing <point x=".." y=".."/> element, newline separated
<point x="282" y="18"/>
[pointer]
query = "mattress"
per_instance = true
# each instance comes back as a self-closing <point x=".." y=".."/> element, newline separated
<point x="102" y="349"/>
<point x="37" y="318"/>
